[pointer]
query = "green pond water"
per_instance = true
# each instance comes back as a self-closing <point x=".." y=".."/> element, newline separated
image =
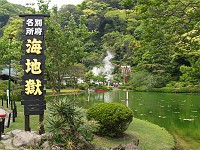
<point x="178" y="113"/>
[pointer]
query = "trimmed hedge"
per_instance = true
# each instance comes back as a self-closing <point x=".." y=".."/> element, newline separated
<point x="177" y="90"/>
<point x="113" y="118"/>
<point x="122" y="87"/>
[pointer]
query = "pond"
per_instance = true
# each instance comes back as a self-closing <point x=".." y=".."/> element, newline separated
<point x="178" y="113"/>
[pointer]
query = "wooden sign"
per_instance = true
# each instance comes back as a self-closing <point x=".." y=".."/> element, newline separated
<point x="33" y="62"/>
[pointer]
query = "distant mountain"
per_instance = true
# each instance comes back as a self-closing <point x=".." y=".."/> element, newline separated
<point x="8" y="10"/>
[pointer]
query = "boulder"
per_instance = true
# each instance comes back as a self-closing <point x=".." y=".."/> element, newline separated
<point x="15" y="132"/>
<point x="46" y="146"/>
<point x="26" y="139"/>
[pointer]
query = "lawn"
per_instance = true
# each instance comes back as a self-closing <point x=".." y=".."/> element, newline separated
<point x="151" y="136"/>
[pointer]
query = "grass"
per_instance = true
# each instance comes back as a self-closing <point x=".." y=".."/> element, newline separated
<point x="151" y="136"/>
<point x="114" y="142"/>
<point x="64" y="91"/>
<point x="187" y="144"/>
<point x="19" y="121"/>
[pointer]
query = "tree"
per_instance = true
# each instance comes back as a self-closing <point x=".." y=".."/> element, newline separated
<point x="75" y="71"/>
<point x="88" y="77"/>
<point x="162" y="24"/>
<point x="65" y="46"/>
<point x="11" y="52"/>
<point x="66" y="11"/>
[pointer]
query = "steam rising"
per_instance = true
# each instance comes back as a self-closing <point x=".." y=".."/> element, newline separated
<point x="107" y="69"/>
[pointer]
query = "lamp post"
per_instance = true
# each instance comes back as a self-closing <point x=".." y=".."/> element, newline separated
<point x="10" y="37"/>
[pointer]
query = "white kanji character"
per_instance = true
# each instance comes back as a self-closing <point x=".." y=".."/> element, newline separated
<point x="38" y="23"/>
<point x="29" y="31"/>
<point x="29" y="22"/>
<point x="38" y="31"/>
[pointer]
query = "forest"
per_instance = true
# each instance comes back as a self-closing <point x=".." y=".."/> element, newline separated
<point x="158" y="39"/>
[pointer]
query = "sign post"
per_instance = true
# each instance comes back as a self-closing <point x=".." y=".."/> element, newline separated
<point x="33" y="62"/>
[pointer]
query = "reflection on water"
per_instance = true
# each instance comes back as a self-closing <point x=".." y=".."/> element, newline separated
<point x="176" y="112"/>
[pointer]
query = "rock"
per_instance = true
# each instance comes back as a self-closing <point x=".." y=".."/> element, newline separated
<point x="15" y="132"/>
<point x="101" y="148"/>
<point x="46" y="146"/>
<point x="120" y="147"/>
<point x="26" y="139"/>
<point x="8" y="144"/>
<point x="136" y="142"/>
<point x="131" y="146"/>
<point x="5" y="137"/>
<point x="54" y="147"/>
<point x="2" y="146"/>
<point x="47" y="137"/>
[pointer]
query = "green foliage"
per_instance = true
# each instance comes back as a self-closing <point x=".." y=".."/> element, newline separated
<point x="103" y="87"/>
<point x="76" y="70"/>
<point x="83" y="86"/>
<point x="145" y="81"/>
<point x="4" y="85"/>
<point x="67" y="44"/>
<point x="122" y="87"/>
<point x="161" y="38"/>
<point x="3" y="94"/>
<point x="186" y="73"/>
<point x="177" y="90"/>
<point x="68" y="125"/>
<point x="146" y="130"/>
<point x="88" y="76"/>
<point x="114" y="118"/>
<point x="8" y="10"/>
<point x="15" y="90"/>
<point x="178" y="87"/>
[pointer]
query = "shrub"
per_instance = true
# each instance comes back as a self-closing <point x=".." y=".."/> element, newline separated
<point x="122" y="87"/>
<point x="109" y="88"/>
<point x="102" y="87"/>
<point x="177" y="90"/>
<point x="68" y="125"/>
<point x="3" y="94"/>
<point x="83" y="86"/>
<point x="114" y="118"/>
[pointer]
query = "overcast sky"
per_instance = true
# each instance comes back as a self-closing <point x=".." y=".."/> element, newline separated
<point x="59" y="3"/>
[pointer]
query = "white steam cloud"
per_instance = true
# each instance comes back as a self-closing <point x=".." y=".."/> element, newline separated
<point x="107" y="69"/>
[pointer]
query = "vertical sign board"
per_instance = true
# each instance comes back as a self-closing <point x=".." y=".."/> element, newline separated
<point x="33" y="62"/>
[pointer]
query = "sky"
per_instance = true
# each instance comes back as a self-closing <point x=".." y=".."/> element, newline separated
<point x="59" y="3"/>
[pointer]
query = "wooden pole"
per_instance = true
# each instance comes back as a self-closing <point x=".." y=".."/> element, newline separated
<point x="27" y="123"/>
<point x="1" y="124"/>
<point x="41" y="119"/>
<point x="9" y="117"/>
<point x="13" y="113"/>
